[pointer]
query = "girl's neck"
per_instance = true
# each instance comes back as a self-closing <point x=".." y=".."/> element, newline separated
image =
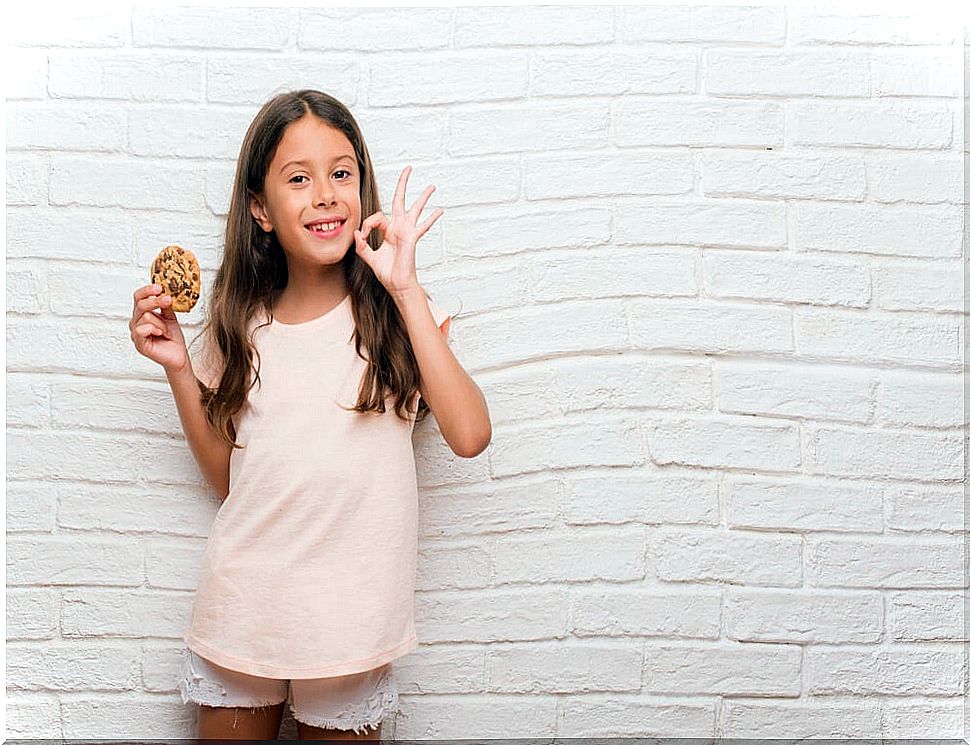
<point x="298" y="306"/>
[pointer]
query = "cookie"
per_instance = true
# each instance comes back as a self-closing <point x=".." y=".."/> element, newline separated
<point x="176" y="270"/>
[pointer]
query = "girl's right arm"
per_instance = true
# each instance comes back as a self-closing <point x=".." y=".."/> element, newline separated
<point x="159" y="337"/>
<point x="210" y="450"/>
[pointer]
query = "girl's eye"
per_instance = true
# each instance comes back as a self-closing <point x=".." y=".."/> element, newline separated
<point x="300" y="175"/>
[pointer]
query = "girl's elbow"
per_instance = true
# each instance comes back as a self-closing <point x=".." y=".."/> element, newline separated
<point x="474" y="447"/>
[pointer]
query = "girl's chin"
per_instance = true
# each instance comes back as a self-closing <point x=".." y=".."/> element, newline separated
<point x="328" y="252"/>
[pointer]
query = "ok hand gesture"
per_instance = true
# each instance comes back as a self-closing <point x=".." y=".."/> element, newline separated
<point x="393" y="263"/>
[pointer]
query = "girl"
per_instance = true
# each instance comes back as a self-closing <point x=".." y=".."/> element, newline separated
<point x="307" y="581"/>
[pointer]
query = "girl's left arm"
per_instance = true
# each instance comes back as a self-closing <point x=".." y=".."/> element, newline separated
<point x="457" y="402"/>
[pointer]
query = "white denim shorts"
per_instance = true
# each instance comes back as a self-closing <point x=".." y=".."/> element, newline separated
<point x="344" y="702"/>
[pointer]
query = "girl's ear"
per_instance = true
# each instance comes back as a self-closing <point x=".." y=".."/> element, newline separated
<point x="258" y="212"/>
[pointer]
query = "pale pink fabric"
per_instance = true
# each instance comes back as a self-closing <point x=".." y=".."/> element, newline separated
<point x="310" y="565"/>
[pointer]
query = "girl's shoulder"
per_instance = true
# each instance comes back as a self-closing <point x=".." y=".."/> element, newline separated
<point x="260" y="317"/>
<point x="207" y="361"/>
<point x="438" y="312"/>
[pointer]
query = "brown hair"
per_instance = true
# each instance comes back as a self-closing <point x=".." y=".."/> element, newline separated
<point x="254" y="272"/>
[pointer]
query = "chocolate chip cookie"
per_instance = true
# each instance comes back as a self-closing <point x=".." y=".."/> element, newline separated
<point x="176" y="270"/>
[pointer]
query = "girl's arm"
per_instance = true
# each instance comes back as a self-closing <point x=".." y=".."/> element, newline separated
<point x="457" y="402"/>
<point x="211" y="453"/>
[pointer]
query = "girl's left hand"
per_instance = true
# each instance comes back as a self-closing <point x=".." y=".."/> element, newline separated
<point x="393" y="262"/>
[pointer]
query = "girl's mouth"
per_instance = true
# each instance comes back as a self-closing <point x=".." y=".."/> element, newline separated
<point x="321" y="234"/>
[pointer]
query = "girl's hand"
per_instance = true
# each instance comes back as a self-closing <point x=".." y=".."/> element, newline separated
<point x="393" y="262"/>
<point x="158" y="337"/>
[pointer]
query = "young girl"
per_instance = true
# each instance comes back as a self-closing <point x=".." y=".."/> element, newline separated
<point x="316" y="361"/>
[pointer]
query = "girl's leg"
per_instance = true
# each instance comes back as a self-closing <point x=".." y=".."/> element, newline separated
<point x="240" y="722"/>
<point x="308" y="732"/>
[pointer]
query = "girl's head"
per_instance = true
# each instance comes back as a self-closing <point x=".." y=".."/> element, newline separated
<point x="273" y="198"/>
<point x="302" y="158"/>
<point x="314" y="174"/>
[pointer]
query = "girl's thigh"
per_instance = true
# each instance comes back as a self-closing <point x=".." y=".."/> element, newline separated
<point x="239" y="722"/>
<point x="353" y="703"/>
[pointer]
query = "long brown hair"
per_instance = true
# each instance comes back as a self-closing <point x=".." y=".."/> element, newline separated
<point x="254" y="273"/>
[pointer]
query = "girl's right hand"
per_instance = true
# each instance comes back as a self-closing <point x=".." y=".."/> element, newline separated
<point x="158" y="337"/>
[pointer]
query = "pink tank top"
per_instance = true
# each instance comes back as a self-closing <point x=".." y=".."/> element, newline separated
<point x="309" y="569"/>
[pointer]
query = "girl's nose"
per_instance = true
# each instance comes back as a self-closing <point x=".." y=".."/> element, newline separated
<point x="324" y="195"/>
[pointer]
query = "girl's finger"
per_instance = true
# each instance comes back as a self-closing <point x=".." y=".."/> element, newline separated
<point x="154" y="321"/>
<point x="371" y="222"/>
<point x="397" y="204"/>
<point x="147" y="329"/>
<point x="382" y="221"/>
<point x="362" y="245"/>
<point x="422" y="200"/>
<point x="152" y="299"/>
<point x="426" y="225"/>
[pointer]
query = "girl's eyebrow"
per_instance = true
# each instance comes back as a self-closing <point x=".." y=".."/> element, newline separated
<point x="305" y="162"/>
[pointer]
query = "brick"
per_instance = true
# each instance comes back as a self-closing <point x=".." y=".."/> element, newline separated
<point x="804" y="505"/>
<point x="754" y="615"/>
<point x="733" y="557"/>
<point x="891" y="562"/>
<point x="756" y="669"/>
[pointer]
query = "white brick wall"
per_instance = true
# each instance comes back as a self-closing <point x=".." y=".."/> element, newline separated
<point x="709" y="261"/>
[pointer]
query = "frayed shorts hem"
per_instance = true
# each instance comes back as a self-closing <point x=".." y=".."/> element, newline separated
<point x="356" y="703"/>
<point x="368" y="713"/>
<point x="202" y="692"/>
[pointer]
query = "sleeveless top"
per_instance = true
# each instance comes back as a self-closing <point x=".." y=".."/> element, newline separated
<point x="309" y="569"/>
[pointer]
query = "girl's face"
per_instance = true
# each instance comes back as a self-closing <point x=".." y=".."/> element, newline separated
<point x="312" y="175"/>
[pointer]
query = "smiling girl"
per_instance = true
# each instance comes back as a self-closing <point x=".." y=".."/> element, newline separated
<point x="316" y="362"/>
